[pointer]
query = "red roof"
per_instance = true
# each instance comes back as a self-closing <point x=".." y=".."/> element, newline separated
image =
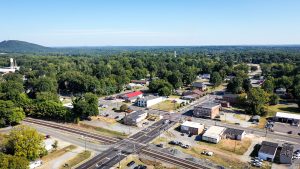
<point x="133" y="94"/>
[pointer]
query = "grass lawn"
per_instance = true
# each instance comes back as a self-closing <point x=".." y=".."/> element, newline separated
<point x="77" y="159"/>
<point x="166" y="106"/>
<point x="234" y="146"/>
<point x="160" y="140"/>
<point x="104" y="131"/>
<point x="104" y="119"/>
<point x="240" y="117"/>
<point x="57" y="153"/>
<point x="282" y="108"/>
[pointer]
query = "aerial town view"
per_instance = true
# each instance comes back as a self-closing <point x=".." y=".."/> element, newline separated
<point x="133" y="84"/>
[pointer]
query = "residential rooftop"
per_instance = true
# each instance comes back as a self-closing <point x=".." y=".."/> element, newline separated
<point x="268" y="147"/>
<point x="208" y="105"/>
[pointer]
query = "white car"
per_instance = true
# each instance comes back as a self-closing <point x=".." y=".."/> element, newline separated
<point x="35" y="164"/>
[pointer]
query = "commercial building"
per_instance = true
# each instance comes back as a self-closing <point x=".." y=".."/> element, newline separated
<point x="149" y="101"/>
<point x="213" y="134"/>
<point x="13" y="67"/>
<point x="207" y="110"/>
<point x="234" y="134"/>
<point x="135" y="117"/>
<point x="131" y="96"/>
<point x="191" y="128"/>
<point x="293" y="119"/>
<point x="286" y="153"/>
<point x="192" y="94"/>
<point x="267" y="150"/>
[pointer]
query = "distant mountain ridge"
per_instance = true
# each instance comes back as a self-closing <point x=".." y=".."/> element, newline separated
<point x="15" y="46"/>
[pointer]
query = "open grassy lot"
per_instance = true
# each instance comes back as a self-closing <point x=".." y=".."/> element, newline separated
<point x="234" y="146"/>
<point x="77" y="159"/>
<point x="104" y="119"/>
<point x="167" y="105"/>
<point x="103" y="131"/>
<point x="288" y="108"/>
<point x="225" y="159"/>
<point x="57" y="153"/>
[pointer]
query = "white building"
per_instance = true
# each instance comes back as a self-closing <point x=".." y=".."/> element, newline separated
<point x="287" y="118"/>
<point x="191" y="128"/>
<point x="135" y="117"/>
<point x="149" y="101"/>
<point x="13" y="67"/>
<point x="213" y="134"/>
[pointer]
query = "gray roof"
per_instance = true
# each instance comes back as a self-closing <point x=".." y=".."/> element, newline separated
<point x="268" y="147"/>
<point x="208" y="105"/>
<point x="198" y="84"/>
<point x="232" y="131"/>
<point x="135" y="114"/>
<point x="287" y="150"/>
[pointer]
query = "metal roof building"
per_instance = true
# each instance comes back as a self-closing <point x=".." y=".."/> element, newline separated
<point x="213" y="134"/>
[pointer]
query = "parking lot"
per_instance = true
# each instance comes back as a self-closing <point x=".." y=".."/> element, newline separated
<point x="286" y="128"/>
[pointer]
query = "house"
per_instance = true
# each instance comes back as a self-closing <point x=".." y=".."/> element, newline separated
<point x="213" y="134"/>
<point x="234" y="134"/>
<point x="135" y="117"/>
<point x="286" y="153"/>
<point x="142" y="82"/>
<point x="191" y="128"/>
<point x="199" y="85"/>
<point x="280" y="91"/>
<point x="192" y="94"/>
<point x="131" y="96"/>
<point x="149" y="101"/>
<point x="207" y="110"/>
<point x="255" y="118"/>
<point x="205" y="76"/>
<point x="293" y="119"/>
<point x="267" y="151"/>
<point x="231" y="98"/>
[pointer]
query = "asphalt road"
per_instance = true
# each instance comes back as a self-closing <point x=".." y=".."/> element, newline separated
<point x="71" y="138"/>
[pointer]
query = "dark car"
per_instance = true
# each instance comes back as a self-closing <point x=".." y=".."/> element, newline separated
<point x="106" y="115"/>
<point x="140" y="167"/>
<point x="47" y="136"/>
<point x="190" y="135"/>
<point x="160" y="145"/>
<point x="173" y="142"/>
<point x="290" y="132"/>
<point x="130" y="163"/>
<point x="116" y="117"/>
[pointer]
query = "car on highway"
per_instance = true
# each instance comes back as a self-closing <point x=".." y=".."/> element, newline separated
<point x="130" y="163"/>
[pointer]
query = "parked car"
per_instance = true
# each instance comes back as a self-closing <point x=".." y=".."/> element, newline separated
<point x="290" y="132"/>
<point x="130" y="163"/>
<point x="116" y="117"/>
<point x="182" y="134"/>
<point x="140" y="167"/>
<point x="106" y="115"/>
<point x="145" y="123"/>
<point x="237" y="123"/>
<point x="47" y="136"/>
<point x="208" y="153"/>
<point x="173" y="142"/>
<point x="160" y="145"/>
<point x="190" y="135"/>
<point x="185" y="146"/>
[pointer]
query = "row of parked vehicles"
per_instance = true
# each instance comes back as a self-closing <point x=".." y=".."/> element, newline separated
<point x="296" y="154"/>
<point x="256" y="162"/>
<point x="178" y="143"/>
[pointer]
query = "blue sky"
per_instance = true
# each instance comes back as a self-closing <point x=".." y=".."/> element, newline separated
<point x="151" y="22"/>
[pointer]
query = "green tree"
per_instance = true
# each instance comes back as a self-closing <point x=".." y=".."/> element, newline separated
<point x="24" y="141"/>
<point x="216" y="79"/>
<point x="175" y="79"/>
<point x="268" y="86"/>
<point x="10" y="113"/>
<point x="257" y="98"/>
<point x="13" y="162"/>
<point x="86" y="105"/>
<point x="123" y="107"/>
<point x="274" y="99"/>
<point x="165" y="91"/>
